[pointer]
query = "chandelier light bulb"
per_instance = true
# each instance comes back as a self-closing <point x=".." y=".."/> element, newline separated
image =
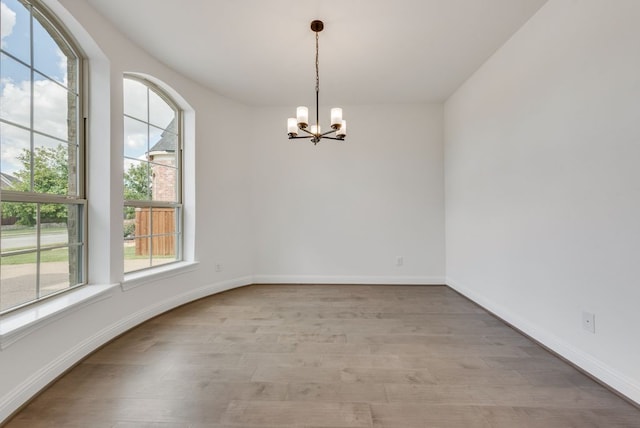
<point x="336" y="117"/>
<point x="342" y="131"/>
<point x="292" y="126"/>
<point x="302" y="114"/>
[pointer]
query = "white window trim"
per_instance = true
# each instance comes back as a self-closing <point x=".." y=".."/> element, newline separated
<point x="153" y="274"/>
<point x="20" y="323"/>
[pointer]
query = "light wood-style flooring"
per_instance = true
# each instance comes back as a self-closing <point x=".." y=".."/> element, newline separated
<point x="326" y="356"/>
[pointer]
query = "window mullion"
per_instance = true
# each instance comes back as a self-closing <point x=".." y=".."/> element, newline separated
<point x="31" y="103"/>
<point x="38" y="228"/>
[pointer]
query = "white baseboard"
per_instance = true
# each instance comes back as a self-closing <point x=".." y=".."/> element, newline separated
<point x="348" y="279"/>
<point x="594" y="367"/>
<point x="13" y="400"/>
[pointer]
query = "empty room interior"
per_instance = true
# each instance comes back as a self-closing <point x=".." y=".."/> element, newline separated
<point x="192" y="236"/>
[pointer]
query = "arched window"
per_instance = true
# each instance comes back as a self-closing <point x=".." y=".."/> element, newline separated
<point x="42" y="239"/>
<point x="152" y="176"/>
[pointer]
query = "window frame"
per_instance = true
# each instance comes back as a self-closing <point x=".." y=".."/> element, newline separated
<point x="54" y="25"/>
<point x="178" y="204"/>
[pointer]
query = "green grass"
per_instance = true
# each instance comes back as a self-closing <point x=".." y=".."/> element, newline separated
<point x="57" y="255"/>
<point x="62" y="255"/>
<point x="130" y="254"/>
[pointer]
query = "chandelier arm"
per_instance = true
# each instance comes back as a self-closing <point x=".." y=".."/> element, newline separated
<point x="334" y="138"/>
<point x="306" y="130"/>
<point x="304" y="136"/>
<point x="328" y="132"/>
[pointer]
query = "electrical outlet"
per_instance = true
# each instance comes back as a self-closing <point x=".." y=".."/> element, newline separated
<point x="399" y="261"/>
<point x="218" y="267"/>
<point x="589" y="322"/>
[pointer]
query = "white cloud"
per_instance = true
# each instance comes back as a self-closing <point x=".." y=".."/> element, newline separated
<point x="8" y="21"/>
<point x="136" y="141"/>
<point x="50" y="115"/>
<point x="62" y="65"/>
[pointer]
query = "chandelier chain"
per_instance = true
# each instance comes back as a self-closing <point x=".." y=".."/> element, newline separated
<point x="317" y="66"/>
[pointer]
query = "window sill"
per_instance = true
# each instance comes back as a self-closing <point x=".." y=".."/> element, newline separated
<point x="15" y="326"/>
<point x="136" y="279"/>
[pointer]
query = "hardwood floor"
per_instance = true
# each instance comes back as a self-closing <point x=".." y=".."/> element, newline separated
<point x="326" y="356"/>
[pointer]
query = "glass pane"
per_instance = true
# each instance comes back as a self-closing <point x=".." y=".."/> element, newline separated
<point x="15" y="29"/>
<point x="136" y="254"/>
<point x="18" y="226"/>
<point x="135" y="139"/>
<point x="51" y="165"/>
<point x="161" y="114"/>
<point x="75" y="221"/>
<point x="135" y="99"/>
<point x="55" y="270"/>
<point x="156" y="142"/>
<point x="59" y="224"/>
<point x="129" y="222"/>
<point x="54" y="109"/>
<point x="15" y="100"/>
<point x="51" y="55"/>
<point x="142" y="223"/>
<point x="163" y="241"/>
<point x="164" y="183"/>
<point x="163" y="221"/>
<point x="164" y="249"/>
<point x="162" y="142"/>
<point x="18" y="279"/>
<point x="55" y="166"/>
<point x="137" y="180"/>
<point x="16" y="159"/>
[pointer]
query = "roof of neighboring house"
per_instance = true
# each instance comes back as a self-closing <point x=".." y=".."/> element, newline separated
<point x="7" y="181"/>
<point x="167" y="141"/>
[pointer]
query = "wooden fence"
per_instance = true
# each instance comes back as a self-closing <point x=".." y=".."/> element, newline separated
<point x="164" y="222"/>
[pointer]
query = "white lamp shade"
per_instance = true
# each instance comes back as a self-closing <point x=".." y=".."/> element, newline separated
<point x="302" y="114"/>
<point x="315" y="129"/>
<point x="343" y="129"/>
<point x="292" y="126"/>
<point x="336" y="116"/>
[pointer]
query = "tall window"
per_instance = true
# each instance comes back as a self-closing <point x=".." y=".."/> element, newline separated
<point x="42" y="240"/>
<point x="152" y="176"/>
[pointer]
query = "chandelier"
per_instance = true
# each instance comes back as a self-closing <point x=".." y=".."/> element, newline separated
<point x="301" y="121"/>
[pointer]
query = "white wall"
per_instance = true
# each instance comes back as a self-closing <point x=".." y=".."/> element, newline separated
<point x="219" y="206"/>
<point x="343" y="211"/>
<point x="543" y="184"/>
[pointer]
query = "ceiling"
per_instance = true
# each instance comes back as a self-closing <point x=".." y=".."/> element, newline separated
<point x="261" y="52"/>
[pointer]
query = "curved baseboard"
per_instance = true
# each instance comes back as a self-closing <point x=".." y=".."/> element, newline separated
<point x="14" y="400"/>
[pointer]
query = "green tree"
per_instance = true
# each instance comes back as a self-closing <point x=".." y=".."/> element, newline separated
<point x="137" y="182"/>
<point x="50" y="176"/>
<point x="137" y="186"/>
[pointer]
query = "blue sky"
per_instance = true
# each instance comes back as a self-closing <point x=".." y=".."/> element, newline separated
<point x="46" y="56"/>
<point x="49" y="63"/>
<point x="49" y="116"/>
